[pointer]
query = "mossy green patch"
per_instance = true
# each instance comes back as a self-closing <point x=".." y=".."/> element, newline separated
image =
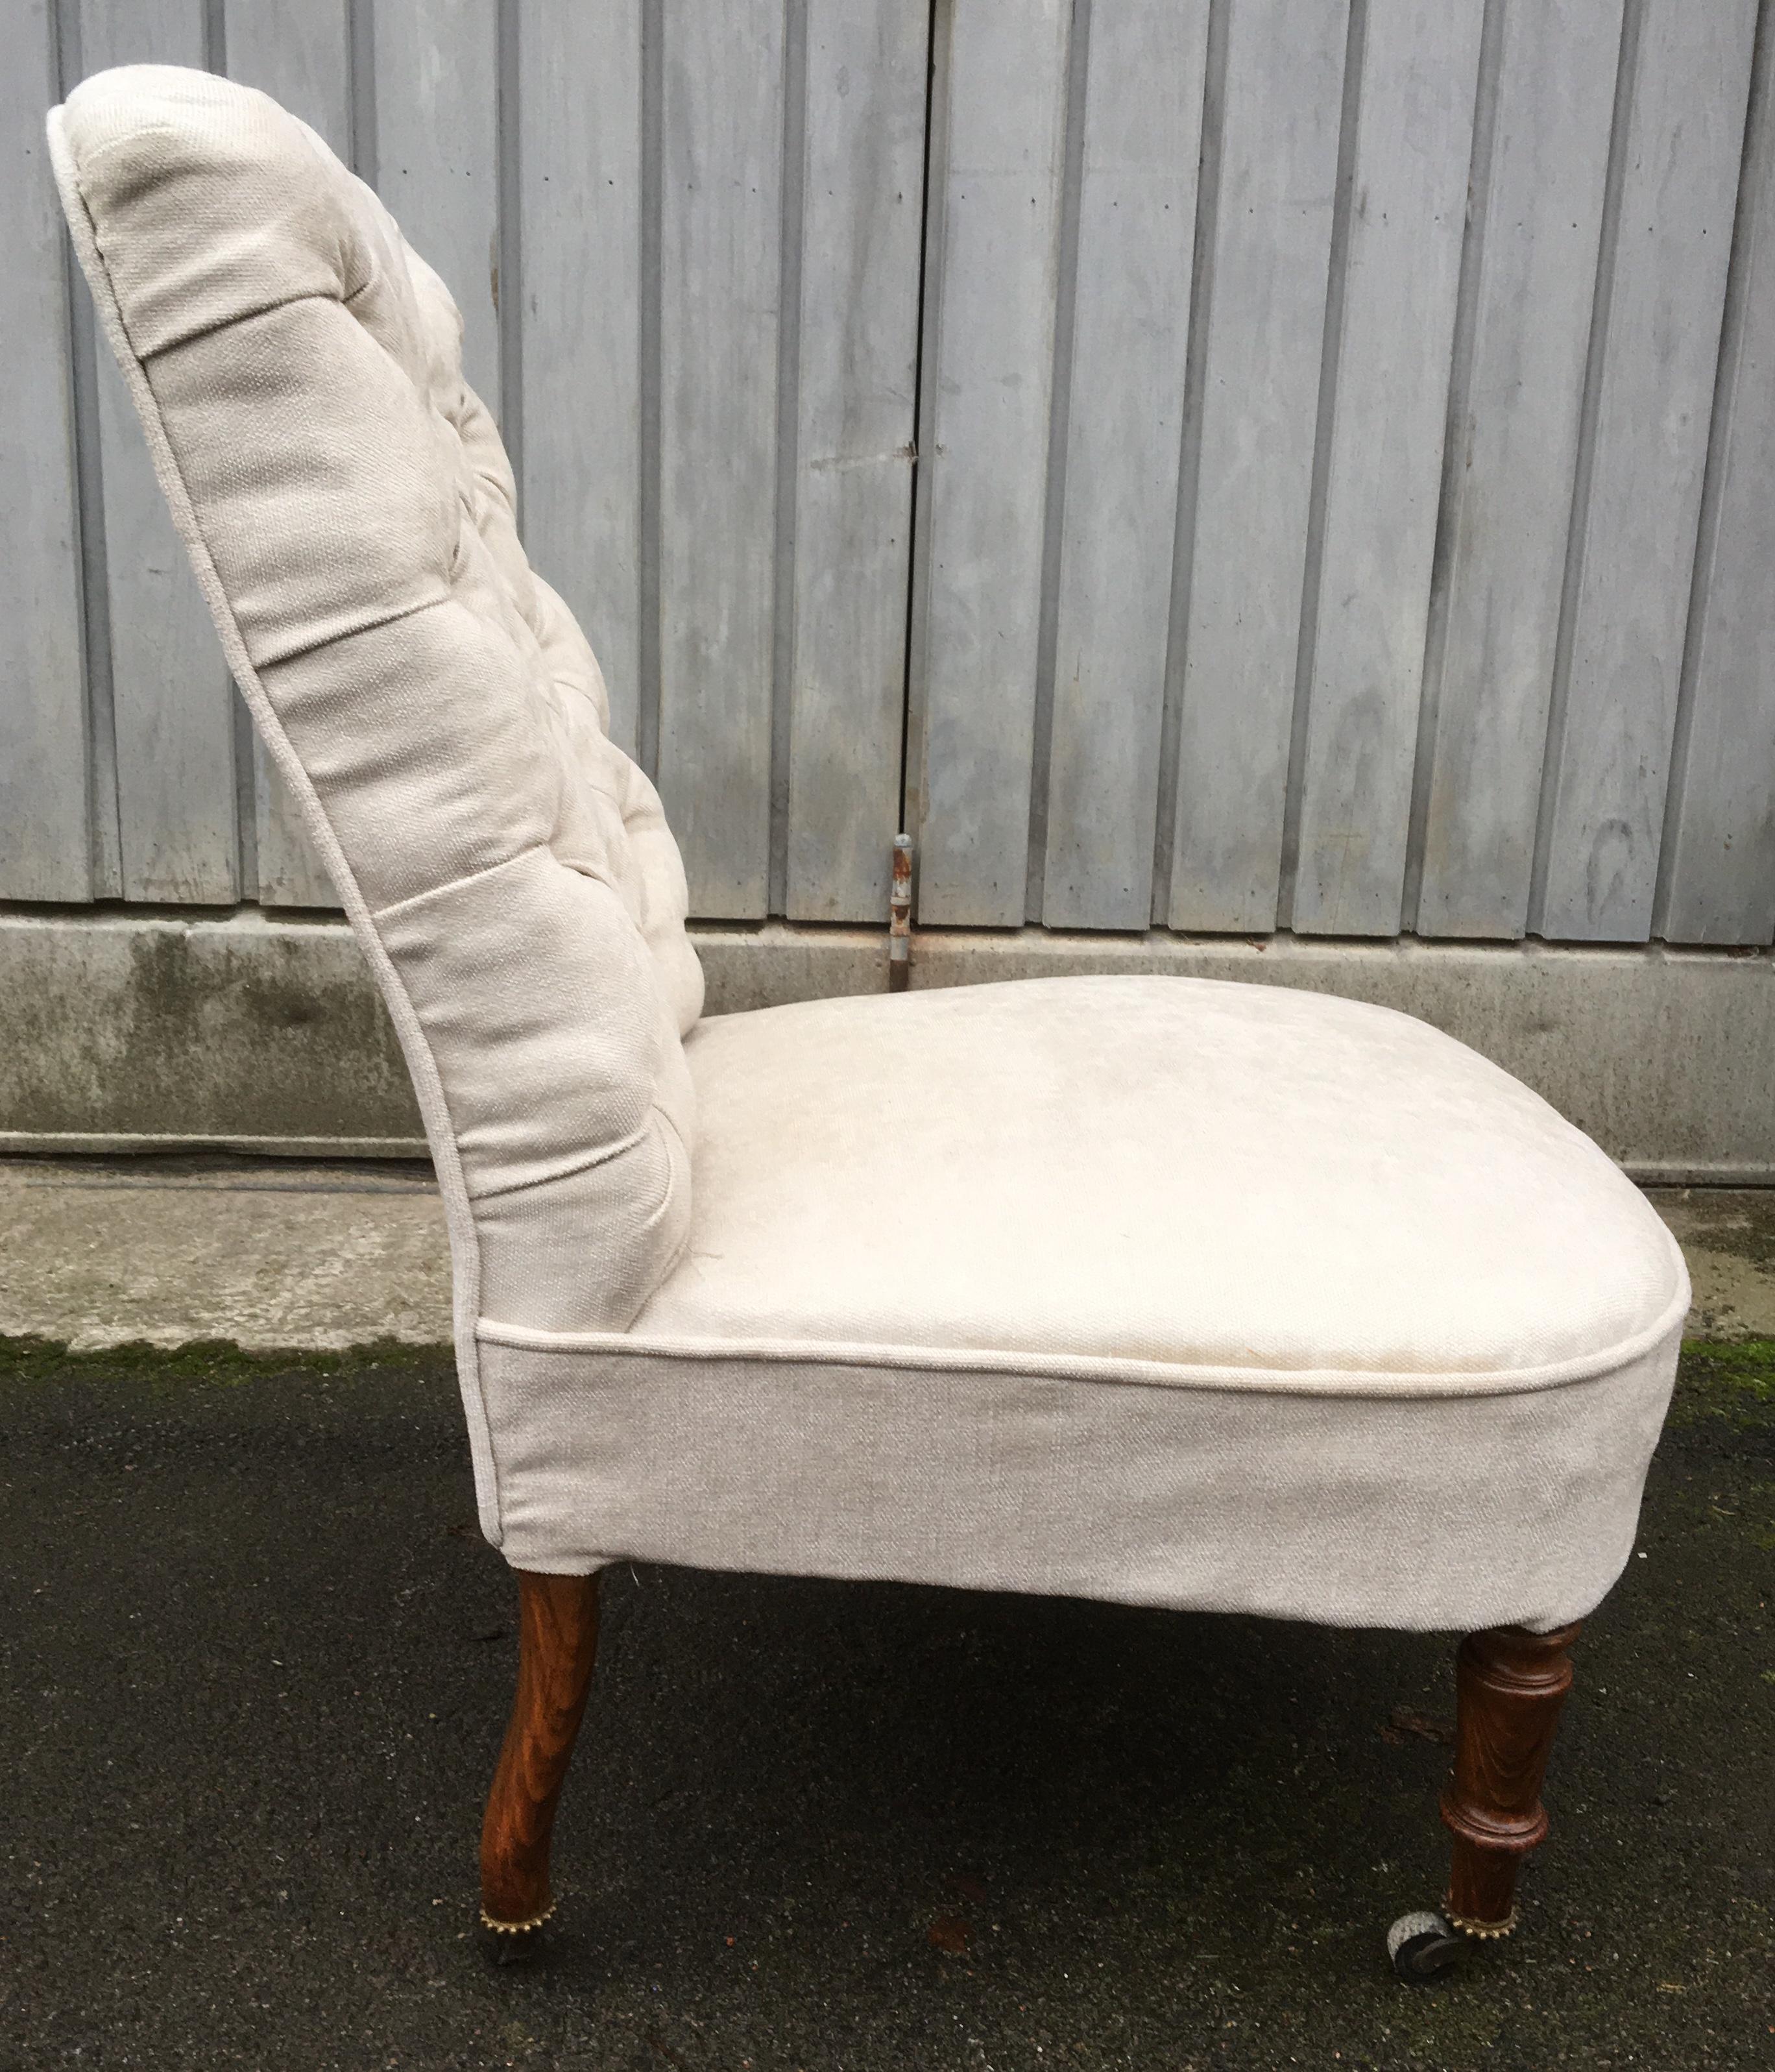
<point x="214" y="1361"/>
<point x="1732" y="1381"/>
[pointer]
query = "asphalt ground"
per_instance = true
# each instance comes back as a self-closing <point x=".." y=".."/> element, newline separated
<point x="254" y="1665"/>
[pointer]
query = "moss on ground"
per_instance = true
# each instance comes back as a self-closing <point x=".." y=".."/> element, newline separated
<point x="218" y="1361"/>
<point x="1733" y="1379"/>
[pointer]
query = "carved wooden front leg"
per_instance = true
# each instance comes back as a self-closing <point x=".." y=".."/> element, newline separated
<point x="1510" y="1686"/>
<point x="558" y="1644"/>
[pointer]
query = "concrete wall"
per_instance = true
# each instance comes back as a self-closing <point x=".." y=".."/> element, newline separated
<point x="120" y="1030"/>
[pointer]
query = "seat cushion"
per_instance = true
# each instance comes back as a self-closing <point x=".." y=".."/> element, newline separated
<point x="1155" y="1169"/>
<point x="1161" y="1289"/>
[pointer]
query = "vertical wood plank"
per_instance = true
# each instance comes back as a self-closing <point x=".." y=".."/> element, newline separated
<point x="862" y="183"/>
<point x="46" y="848"/>
<point x="1130" y="342"/>
<point x="436" y="102"/>
<point x="984" y="469"/>
<point x="1419" y="67"/>
<point x="172" y="698"/>
<point x="579" y="147"/>
<point x="1721" y="874"/>
<point x="1509" y="508"/>
<point x="720" y="238"/>
<point x="1637" y="551"/>
<point x="300" y="56"/>
<point x="1263" y="332"/>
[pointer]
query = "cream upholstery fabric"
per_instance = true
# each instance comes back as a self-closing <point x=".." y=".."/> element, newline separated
<point x="348" y="509"/>
<point x="1151" y="1289"/>
<point x="1153" y="1170"/>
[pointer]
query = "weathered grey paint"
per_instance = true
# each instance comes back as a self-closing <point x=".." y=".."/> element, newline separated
<point x="1719" y="854"/>
<point x="580" y="238"/>
<point x="984" y="419"/>
<point x="46" y="804"/>
<point x="178" y="786"/>
<point x="1384" y="387"/>
<point x="1655" y="350"/>
<point x="1541" y="162"/>
<point x="1330" y="486"/>
<point x="433" y="117"/>
<point x="1115" y="505"/>
<point x="720" y="266"/>
<point x="1274" y="108"/>
<point x="302" y="57"/>
<point x="850" y="387"/>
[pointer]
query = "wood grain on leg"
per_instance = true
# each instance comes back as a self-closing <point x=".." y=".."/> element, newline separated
<point x="1511" y="1685"/>
<point x="557" y="1644"/>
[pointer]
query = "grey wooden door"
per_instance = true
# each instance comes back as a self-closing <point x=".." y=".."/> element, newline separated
<point x="1215" y="466"/>
<point x="1348" y="448"/>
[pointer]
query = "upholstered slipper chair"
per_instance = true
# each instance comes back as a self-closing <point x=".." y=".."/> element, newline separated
<point x="1154" y="1290"/>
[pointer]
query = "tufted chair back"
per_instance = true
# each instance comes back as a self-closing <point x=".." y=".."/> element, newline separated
<point x="349" y="510"/>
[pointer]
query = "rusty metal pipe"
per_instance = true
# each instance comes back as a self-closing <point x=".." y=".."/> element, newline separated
<point x="900" y="917"/>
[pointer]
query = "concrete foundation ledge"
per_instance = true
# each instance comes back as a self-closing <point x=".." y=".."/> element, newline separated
<point x="125" y="1031"/>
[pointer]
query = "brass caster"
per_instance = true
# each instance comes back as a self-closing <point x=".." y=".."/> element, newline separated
<point x="1482" y="1931"/>
<point x="512" y="1942"/>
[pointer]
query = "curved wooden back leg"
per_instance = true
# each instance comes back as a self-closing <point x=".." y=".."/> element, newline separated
<point x="557" y="1644"/>
<point x="1511" y="1687"/>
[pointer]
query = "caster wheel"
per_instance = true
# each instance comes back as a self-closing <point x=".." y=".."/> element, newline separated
<point x="1422" y="1947"/>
